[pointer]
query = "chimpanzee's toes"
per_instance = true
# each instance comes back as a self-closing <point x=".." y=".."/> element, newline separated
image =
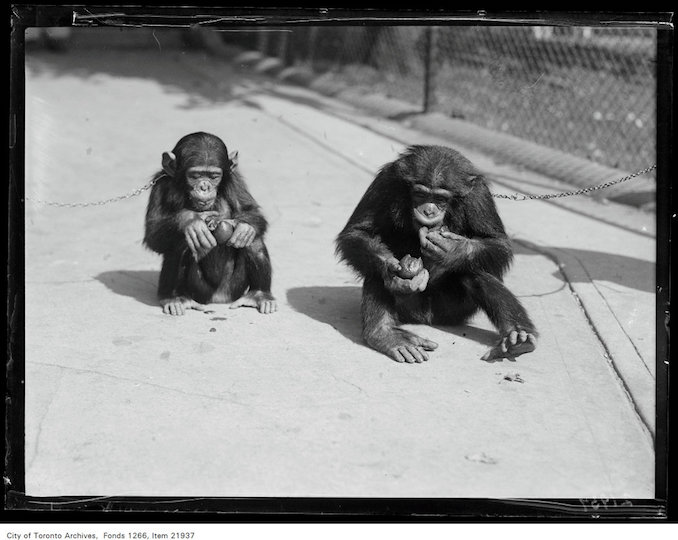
<point x="409" y="354"/>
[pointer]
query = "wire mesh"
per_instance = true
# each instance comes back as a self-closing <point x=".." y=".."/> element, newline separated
<point x="588" y="91"/>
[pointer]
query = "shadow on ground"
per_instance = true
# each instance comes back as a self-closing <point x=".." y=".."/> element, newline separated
<point x="340" y="308"/>
<point x="337" y="306"/>
<point x="138" y="284"/>
<point x="620" y="269"/>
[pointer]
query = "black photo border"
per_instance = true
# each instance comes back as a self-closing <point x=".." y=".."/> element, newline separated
<point x="20" y="508"/>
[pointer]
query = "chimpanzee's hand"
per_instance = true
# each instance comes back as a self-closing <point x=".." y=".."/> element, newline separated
<point x="199" y="238"/>
<point x="399" y="285"/>
<point x="443" y="246"/>
<point x="242" y="236"/>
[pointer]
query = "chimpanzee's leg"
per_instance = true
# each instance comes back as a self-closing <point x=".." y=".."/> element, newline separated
<point x="174" y="289"/>
<point x="380" y="330"/>
<point x="253" y="269"/>
<point x="518" y="334"/>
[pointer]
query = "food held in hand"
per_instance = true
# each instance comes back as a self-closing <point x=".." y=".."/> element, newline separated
<point x="222" y="230"/>
<point x="410" y="266"/>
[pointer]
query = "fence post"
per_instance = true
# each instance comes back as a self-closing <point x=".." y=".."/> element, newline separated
<point x="262" y="40"/>
<point x="282" y="46"/>
<point x="430" y="68"/>
<point x="312" y="40"/>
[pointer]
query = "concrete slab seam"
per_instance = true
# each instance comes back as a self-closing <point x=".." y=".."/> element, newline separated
<point x="634" y="389"/>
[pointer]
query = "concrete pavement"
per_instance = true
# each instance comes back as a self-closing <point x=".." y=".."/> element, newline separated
<point x="123" y="400"/>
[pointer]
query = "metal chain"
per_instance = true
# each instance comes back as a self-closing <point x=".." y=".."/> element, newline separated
<point x="129" y="195"/>
<point x="521" y="197"/>
<point x="513" y="197"/>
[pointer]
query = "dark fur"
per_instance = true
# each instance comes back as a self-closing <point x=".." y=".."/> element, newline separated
<point x="225" y="273"/>
<point x="382" y="225"/>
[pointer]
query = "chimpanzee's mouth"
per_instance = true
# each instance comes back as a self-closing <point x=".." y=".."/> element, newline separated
<point x="428" y="221"/>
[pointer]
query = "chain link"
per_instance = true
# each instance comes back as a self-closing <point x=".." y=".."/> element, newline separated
<point x="513" y="197"/>
<point x="522" y="197"/>
<point x="129" y="195"/>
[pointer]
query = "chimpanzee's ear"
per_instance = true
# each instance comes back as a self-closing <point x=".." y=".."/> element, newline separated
<point x="169" y="163"/>
<point x="233" y="159"/>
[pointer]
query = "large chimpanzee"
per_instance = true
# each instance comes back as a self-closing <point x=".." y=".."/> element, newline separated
<point x="428" y="241"/>
<point x="209" y="230"/>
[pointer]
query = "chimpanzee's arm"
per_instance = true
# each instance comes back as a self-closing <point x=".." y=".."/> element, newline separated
<point x="165" y="222"/>
<point x="251" y="214"/>
<point x="365" y="251"/>
<point x="171" y="275"/>
<point x="449" y="252"/>
<point x="243" y="207"/>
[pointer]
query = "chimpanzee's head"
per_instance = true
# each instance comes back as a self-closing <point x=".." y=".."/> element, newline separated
<point x="438" y="178"/>
<point x="199" y="163"/>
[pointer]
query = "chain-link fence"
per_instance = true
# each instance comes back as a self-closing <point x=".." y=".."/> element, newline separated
<point x="587" y="91"/>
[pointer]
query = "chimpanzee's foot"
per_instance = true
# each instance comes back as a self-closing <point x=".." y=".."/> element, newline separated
<point x="408" y="353"/>
<point x="179" y="305"/>
<point x="514" y="343"/>
<point x="261" y="300"/>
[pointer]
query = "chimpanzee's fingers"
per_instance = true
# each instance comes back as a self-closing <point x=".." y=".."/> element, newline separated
<point x="421" y="355"/>
<point x="250" y="237"/>
<point x="428" y="345"/>
<point x="206" y="239"/>
<point x="406" y="353"/>
<point x="418" y="354"/>
<point x="422" y="236"/>
<point x="243" y="301"/>
<point x="439" y="241"/>
<point x="449" y="234"/>
<point x="199" y="240"/>
<point x="190" y="241"/>
<point x="236" y="239"/>
<point x="196" y="305"/>
<point x="433" y="249"/>
<point x="238" y="303"/>
<point x="522" y="335"/>
<point x="268" y="306"/>
<point x="513" y="337"/>
<point x="245" y="237"/>
<point x="175" y="308"/>
<point x="395" y="354"/>
<point x="393" y="265"/>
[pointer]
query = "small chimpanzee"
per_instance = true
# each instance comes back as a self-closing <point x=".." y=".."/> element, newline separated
<point x="428" y="241"/>
<point x="209" y="229"/>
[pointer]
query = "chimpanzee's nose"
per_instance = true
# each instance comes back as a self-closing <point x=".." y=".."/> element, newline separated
<point x="204" y="186"/>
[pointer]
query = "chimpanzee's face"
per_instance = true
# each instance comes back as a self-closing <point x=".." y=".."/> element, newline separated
<point x="429" y="205"/>
<point x="203" y="181"/>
